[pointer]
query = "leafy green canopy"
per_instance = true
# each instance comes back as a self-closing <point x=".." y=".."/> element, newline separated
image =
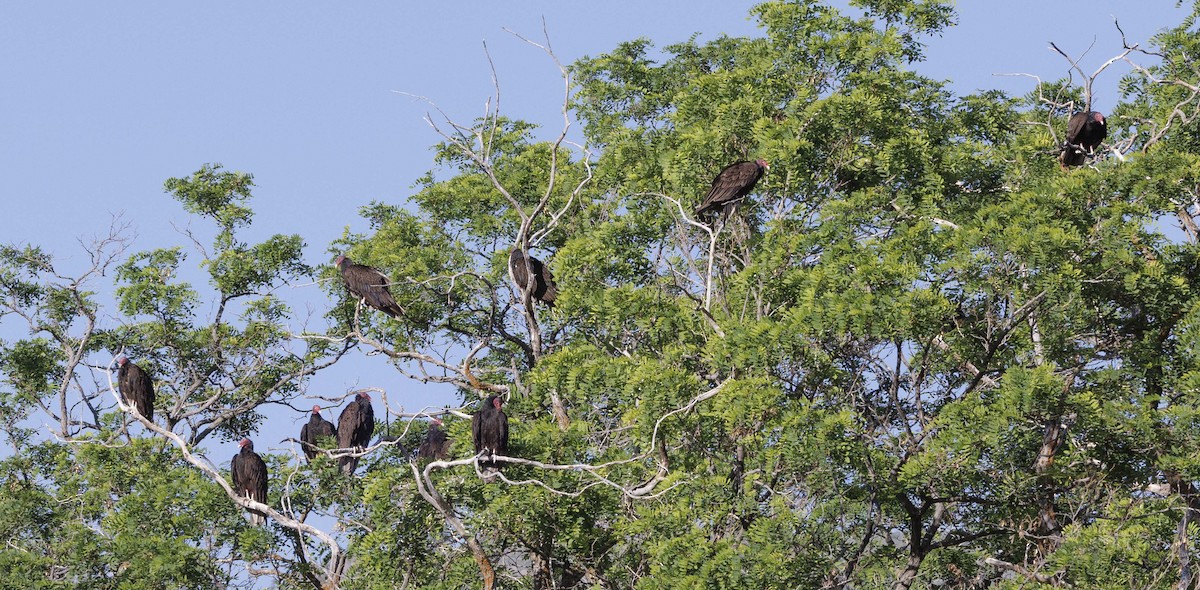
<point x="920" y="354"/>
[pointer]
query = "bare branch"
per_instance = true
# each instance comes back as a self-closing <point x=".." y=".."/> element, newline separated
<point x="209" y="469"/>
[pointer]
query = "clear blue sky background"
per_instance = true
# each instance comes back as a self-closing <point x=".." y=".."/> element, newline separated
<point x="100" y="102"/>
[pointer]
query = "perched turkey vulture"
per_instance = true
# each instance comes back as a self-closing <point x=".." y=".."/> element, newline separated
<point x="436" y="444"/>
<point x="316" y="428"/>
<point x="250" y="478"/>
<point x="1085" y="132"/>
<point x="369" y="285"/>
<point x="535" y="277"/>
<point x="354" y="429"/>
<point x="489" y="429"/>
<point x="731" y="186"/>
<point x="136" y="387"/>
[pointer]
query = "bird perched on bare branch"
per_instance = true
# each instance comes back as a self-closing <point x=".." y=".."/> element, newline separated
<point x="731" y="186"/>
<point x="354" y="429"/>
<point x="489" y="430"/>
<point x="250" y="478"/>
<point x="436" y="445"/>
<point x="532" y="276"/>
<point x="369" y="285"/>
<point x="136" y="387"/>
<point x="1085" y="133"/>
<point x="316" y="429"/>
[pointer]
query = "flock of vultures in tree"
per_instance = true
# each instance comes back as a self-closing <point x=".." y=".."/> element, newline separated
<point x="534" y="282"/>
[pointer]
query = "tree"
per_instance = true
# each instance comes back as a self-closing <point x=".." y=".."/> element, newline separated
<point x="919" y="355"/>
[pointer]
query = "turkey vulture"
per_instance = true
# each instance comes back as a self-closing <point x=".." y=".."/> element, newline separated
<point x="731" y="185"/>
<point x="136" y="387"/>
<point x="1085" y="131"/>
<point x="354" y="429"/>
<point x="250" y="478"/>
<point x="369" y="285"/>
<point x="489" y="429"/>
<point x="316" y="428"/>
<point x="534" y="278"/>
<point x="436" y="444"/>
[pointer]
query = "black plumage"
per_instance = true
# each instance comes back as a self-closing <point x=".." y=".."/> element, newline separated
<point x="136" y="387"/>
<point x="731" y="186"/>
<point x="436" y="445"/>
<point x="489" y="429"/>
<point x="316" y="429"/>
<point x="369" y="285"/>
<point x="531" y="275"/>
<point x="354" y="428"/>
<point x="1071" y="155"/>
<point x="250" y="478"/>
<point x="1085" y="133"/>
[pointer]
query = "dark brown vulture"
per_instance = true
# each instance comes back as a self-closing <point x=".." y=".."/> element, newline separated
<point x="436" y="445"/>
<point x="369" y="285"/>
<point x="317" y="428"/>
<point x="731" y="186"/>
<point x="250" y="478"/>
<point x="535" y="277"/>
<point x="136" y="387"/>
<point x="1085" y="132"/>
<point x="354" y="429"/>
<point x="489" y="430"/>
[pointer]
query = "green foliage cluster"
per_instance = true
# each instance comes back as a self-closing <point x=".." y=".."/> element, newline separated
<point x="922" y="355"/>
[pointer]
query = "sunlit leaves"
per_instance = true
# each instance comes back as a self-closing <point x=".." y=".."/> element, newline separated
<point x="32" y="368"/>
<point x="214" y="193"/>
<point x="152" y="287"/>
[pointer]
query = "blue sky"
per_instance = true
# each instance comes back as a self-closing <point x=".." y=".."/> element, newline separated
<point x="101" y="102"/>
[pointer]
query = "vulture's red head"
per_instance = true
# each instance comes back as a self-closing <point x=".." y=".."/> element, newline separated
<point x="341" y="261"/>
<point x="496" y="401"/>
<point x="246" y="444"/>
<point x="1097" y="117"/>
<point x="364" y="395"/>
<point x="121" y="361"/>
<point x="316" y="409"/>
<point x="435" y="421"/>
<point x="763" y="164"/>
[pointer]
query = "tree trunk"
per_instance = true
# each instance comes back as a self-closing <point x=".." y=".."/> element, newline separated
<point x="1052" y="438"/>
<point x="1183" y="544"/>
<point x="431" y="495"/>
<point x="543" y="577"/>
<point x="1184" y="547"/>
<point x="906" y="577"/>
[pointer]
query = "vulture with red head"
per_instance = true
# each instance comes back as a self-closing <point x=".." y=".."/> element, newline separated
<point x="369" y="285"/>
<point x="136" y="387"/>
<point x="354" y="429"/>
<point x="316" y="429"/>
<point x="1085" y="132"/>
<point x="250" y="478"/>
<point x="489" y="430"/>
<point x="532" y="276"/>
<point x="731" y="186"/>
<point x="436" y="445"/>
